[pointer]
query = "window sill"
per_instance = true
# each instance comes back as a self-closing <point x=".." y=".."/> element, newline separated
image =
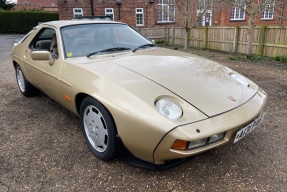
<point x="267" y="19"/>
<point x="165" y="22"/>
<point x="237" y="20"/>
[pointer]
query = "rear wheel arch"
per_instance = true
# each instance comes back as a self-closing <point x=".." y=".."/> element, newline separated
<point x="25" y="87"/>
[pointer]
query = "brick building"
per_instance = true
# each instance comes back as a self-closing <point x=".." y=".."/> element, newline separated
<point x="44" y="5"/>
<point x="273" y="14"/>
<point x="133" y="12"/>
<point x="151" y="13"/>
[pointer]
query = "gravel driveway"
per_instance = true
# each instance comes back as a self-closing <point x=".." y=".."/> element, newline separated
<point x="42" y="148"/>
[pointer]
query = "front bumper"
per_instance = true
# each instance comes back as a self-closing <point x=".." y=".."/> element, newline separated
<point x="229" y="122"/>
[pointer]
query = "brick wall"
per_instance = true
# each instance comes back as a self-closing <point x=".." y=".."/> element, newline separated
<point x="127" y="10"/>
<point x="223" y="18"/>
<point x="220" y="17"/>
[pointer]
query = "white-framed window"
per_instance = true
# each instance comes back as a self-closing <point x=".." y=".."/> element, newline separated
<point x="77" y="12"/>
<point x="204" y="4"/>
<point x="204" y="19"/>
<point x="165" y="11"/>
<point x="109" y="12"/>
<point x="204" y="12"/>
<point x="139" y="17"/>
<point x="268" y="9"/>
<point x="238" y="11"/>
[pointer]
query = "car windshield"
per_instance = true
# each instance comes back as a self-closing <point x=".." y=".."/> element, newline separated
<point x="102" y="38"/>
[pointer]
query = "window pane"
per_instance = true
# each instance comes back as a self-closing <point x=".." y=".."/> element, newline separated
<point x="77" y="12"/>
<point x="165" y="10"/>
<point x="139" y="17"/>
<point x="237" y="12"/>
<point x="109" y="12"/>
<point x="268" y="9"/>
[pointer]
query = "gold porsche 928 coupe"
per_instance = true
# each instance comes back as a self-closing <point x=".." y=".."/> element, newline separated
<point x="156" y="106"/>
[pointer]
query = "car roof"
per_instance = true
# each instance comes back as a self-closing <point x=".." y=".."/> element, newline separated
<point x="63" y="23"/>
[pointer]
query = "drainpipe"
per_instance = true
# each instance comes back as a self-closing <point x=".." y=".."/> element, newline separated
<point x="92" y="8"/>
<point x="145" y="14"/>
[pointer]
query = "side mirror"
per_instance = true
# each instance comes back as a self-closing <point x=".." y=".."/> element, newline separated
<point x="42" y="56"/>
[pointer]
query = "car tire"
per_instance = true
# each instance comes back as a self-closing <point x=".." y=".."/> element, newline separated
<point x="98" y="128"/>
<point x="26" y="88"/>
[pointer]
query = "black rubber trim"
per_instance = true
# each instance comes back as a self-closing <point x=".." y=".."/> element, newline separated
<point x="130" y="159"/>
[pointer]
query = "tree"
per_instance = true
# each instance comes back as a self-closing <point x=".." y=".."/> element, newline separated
<point x="6" y="5"/>
<point x="193" y="11"/>
<point x="256" y="9"/>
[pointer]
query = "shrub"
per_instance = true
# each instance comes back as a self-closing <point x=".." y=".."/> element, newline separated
<point x="23" y="21"/>
<point x="236" y="57"/>
<point x="254" y="57"/>
<point x="159" y="42"/>
<point x="282" y="59"/>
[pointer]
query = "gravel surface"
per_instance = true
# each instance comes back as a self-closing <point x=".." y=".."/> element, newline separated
<point x="42" y="148"/>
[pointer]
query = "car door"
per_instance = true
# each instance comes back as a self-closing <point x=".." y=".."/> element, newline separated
<point x="42" y="73"/>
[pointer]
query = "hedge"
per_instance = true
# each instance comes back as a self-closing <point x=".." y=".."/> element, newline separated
<point x="23" y="21"/>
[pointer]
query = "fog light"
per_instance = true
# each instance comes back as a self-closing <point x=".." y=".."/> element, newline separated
<point x="197" y="143"/>
<point x="216" y="137"/>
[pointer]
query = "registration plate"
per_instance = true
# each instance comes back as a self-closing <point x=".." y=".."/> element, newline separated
<point x="246" y="130"/>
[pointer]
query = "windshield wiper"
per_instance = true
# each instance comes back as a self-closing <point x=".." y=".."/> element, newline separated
<point x="144" y="46"/>
<point x="109" y="50"/>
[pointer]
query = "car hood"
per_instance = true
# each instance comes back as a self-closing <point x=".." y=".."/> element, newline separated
<point x="203" y="83"/>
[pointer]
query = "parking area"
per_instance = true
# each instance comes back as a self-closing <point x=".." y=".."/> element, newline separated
<point x="42" y="147"/>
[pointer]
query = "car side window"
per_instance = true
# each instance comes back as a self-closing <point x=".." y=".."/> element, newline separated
<point x="45" y="40"/>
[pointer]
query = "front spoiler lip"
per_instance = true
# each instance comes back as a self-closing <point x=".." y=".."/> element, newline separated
<point x="130" y="159"/>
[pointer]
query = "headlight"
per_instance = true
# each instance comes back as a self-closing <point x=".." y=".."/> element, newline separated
<point x="169" y="109"/>
<point x="244" y="81"/>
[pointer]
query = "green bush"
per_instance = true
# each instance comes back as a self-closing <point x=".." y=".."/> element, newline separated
<point x="236" y="57"/>
<point x="282" y="59"/>
<point x="159" y="42"/>
<point x="255" y="57"/>
<point x="23" y="21"/>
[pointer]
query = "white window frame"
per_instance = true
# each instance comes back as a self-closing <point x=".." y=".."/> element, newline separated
<point x="203" y="17"/>
<point x="110" y="12"/>
<point x="139" y="11"/>
<point x="165" y="11"/>
<point x="77" y="14"/>
<point x="268" y="11"/>
<point x="237" y="11"/>
<point x="204" y="8"/>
